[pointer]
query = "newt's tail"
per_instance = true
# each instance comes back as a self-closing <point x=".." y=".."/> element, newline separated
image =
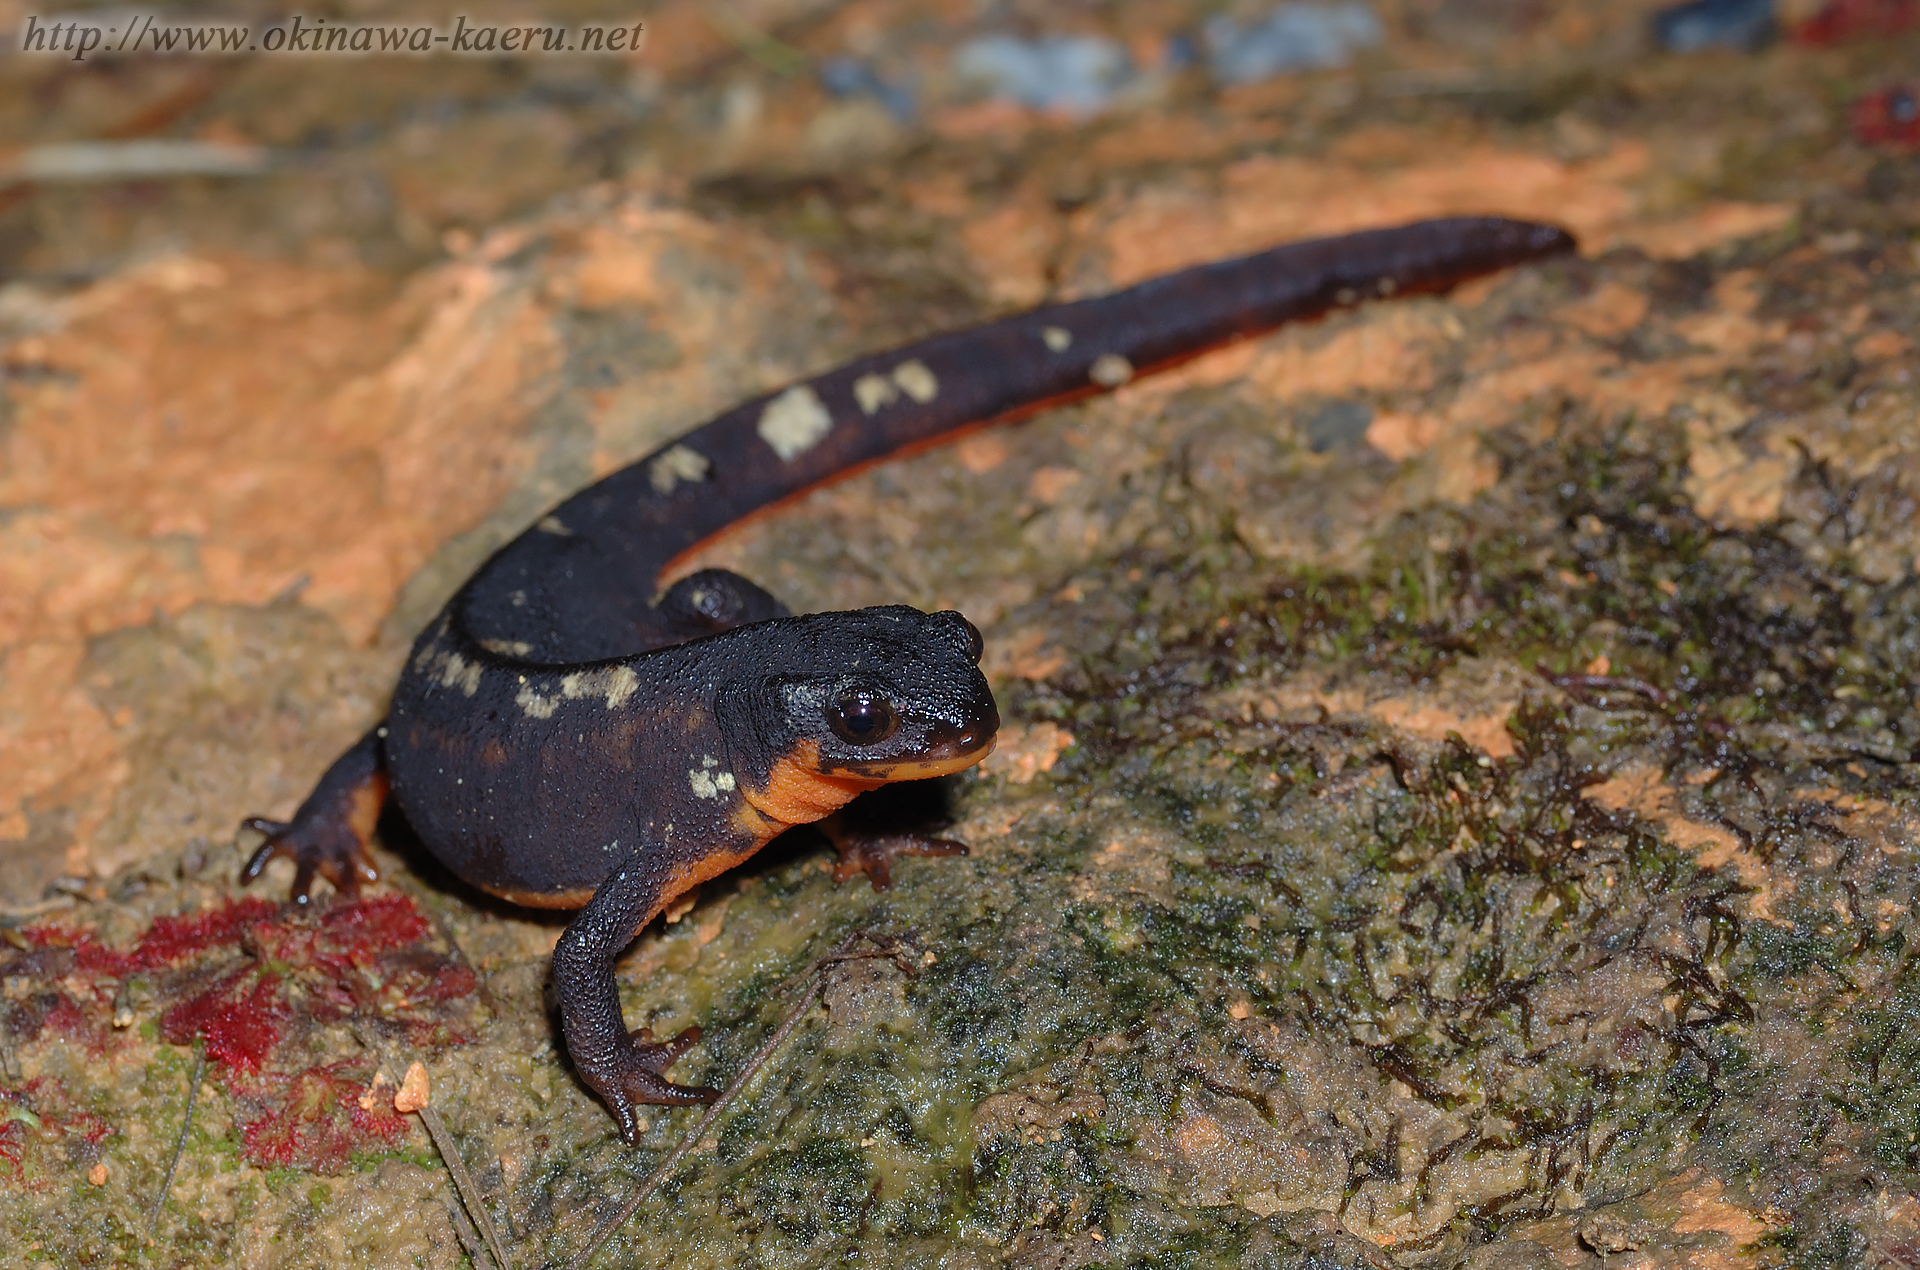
<point x="575" y="586"/>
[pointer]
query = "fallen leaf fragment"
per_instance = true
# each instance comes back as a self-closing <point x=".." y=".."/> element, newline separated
<point x="414" y="1094"/>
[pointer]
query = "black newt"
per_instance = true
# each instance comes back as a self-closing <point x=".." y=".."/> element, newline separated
<point x="563" y="738"/>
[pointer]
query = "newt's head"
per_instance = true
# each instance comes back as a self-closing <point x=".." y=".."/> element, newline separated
<point x="863" y="698"/>
<point x="906" y="699"/>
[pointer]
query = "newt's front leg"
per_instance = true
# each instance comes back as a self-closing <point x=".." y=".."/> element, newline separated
<point x="627" y="1069"/>
<point x="865" y="848"/>
<point x="328" y="835"/>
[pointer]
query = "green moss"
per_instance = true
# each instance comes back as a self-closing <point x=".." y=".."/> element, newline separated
<point x="283" y="1179"/>
<point x="419" y="1157"/>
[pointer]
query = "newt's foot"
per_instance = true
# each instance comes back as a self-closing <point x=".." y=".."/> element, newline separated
<point x="637" y="1075"/>
<point x="327" y="836"/>
<point x="317" y="848"/>
<point x="864" y="851"/>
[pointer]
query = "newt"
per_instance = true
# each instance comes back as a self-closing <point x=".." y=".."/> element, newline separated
<point x="566" y="735"/>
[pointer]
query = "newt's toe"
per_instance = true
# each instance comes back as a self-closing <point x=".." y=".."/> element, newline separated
<point x="317" y="849"/>
<point x="640" y="1079"/>
<point x="327" y="836"/>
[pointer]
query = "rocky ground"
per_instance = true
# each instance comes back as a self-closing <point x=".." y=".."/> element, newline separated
<point x="1457" y="803"/>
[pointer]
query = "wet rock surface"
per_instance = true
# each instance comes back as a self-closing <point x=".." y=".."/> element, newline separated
<point x="1457" y="800"/>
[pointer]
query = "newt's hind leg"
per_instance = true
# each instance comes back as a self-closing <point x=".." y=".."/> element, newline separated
<point x="328" y="836"/>
<point x="715" y="600"/>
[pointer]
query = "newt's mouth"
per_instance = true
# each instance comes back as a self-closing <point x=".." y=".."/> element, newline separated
<point x="954" y="752"/>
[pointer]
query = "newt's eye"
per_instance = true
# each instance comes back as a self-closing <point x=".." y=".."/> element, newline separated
<point x="862" y="718"/>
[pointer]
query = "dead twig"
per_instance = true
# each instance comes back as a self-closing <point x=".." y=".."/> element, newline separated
<point x="180" y="1142"/>
<point x="1582" y="684"/>
<point x="463" y="1183"/>
<point x="87" y="161"/>
<point x="53" y="904"/>
<point x="463" y="1231"/>
<point x="443" y="1141"/>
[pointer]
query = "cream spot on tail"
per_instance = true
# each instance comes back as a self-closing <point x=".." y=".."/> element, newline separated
<point x="873" y="392"/>
<point x="507" y="647"/>
<point x="916" y="381"/>
<point x="1057" y="338"/>
<point x="1110" y="370"/>
<point x="677" y="464"/>
<point x="554" y="525"/>
<point x="794" y="422"/>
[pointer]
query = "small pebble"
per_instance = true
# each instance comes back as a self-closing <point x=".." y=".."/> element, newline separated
<point x="1294" y="37"/>
<point x="851" y="77"/>
<point x="1700" y="25"/>
<point x="1078" y="74"/>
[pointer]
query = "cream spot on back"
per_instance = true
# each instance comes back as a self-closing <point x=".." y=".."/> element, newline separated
<point x="794" y="422"/>
<point x="677" y="464"/>
<point x="461" y="673"/>
<point x="916" y="381"/>
<point x="709" y="784"/>
<point x="532" y="704"/>
<point x="615" y="683"/>
<point x="1057" y="338"/>
<point x="431" y="654"/>
<point x="873" y="392"/>
<point x="507" y="647"/>
<point x="554" y="525"/>
<point x="621" y="684"/>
